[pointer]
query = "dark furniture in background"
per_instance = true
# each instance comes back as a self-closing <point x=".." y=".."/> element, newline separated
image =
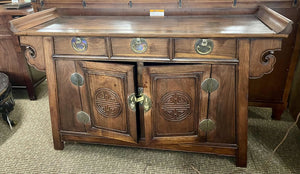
<point x="7" y="102"/>
<point x="12" y="60"/>
<point x="273" y="90"/>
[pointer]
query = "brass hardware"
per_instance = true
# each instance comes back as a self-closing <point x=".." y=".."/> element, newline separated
<point x="130" y="4"/>
<point x="138" y="45"/>
<point x="79" y="44"/>
<point x="83" y="117"/>
<point x="204" y="46"/>
<point x="77" y="79"/>
<point x="209" y="85"/>
<point x="180" y="3"/>
<point x="42" y="3"/>
<point x="142" y="99"/>
<point x="207" y="125"/>
<point x="295" y="2"/>
<point x="234" y="3"/>
<point x="83" y="3"/>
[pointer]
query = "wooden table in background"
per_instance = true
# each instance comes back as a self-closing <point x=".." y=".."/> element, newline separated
<point x="12" y="60"/>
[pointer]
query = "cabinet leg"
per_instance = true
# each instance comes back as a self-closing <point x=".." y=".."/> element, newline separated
<point x="58" y="145"/>
<point x="30" y="91"/>
<point x="241" y="160"/>
<point x="277" y="112"/>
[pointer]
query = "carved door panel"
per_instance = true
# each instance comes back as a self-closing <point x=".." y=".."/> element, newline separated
<point x="178" y="103"/>
<point x="101" y="99"/>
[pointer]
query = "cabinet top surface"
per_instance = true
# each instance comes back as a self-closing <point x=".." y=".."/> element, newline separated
<point x="265" y="23"/>
<point x="152" y="26"/>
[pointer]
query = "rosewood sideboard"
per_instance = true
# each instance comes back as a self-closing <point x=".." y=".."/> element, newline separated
<point x="12" y="60"/>
<point x="172" y="82"/>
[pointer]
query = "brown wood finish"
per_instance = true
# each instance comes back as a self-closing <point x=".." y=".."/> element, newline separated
<point x="96" y="46"/>
<point x="223" y="49"/>
<point x="34" y="58"/>
<point x="146" y="26"/>
<point x="294" y="100"/>
<point x="262" y="58"/>
<point x="12" y="61"/>
<point x="52" y="92"/>
<point x="68" y="93"/>
<point x="209" y="148"/>
<point x="33" y="20"/>
<point x="222" y="105"/>
<point x="156" y="48"/>
<point x="108" y="88"/>
<point x="242" y="81"/>
<point x="268" y="16"/>
<point x="263" y="92"/>
<point x="141" y="7"/>
<point x="179" y="102"/>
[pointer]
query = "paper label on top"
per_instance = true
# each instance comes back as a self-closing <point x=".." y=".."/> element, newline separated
<point x="157" y="12"/>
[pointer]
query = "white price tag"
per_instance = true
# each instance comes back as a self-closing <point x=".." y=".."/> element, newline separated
<point x="157" y="12"/>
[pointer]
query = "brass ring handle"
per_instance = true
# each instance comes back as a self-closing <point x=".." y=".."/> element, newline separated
<point x="138" y="45"/>
<point x="79" y="44"/>
<point x="204" y="46"/>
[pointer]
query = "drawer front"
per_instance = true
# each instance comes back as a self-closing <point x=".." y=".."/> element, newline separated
<point x="139" y="47"/>
<point x="80" y="46"/>
<point x="205" y="48"/>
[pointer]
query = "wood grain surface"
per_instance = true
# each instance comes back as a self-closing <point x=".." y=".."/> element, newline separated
<point x="171" y="26"/>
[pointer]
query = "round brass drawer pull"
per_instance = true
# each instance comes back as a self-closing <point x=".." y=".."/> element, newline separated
<point x="204" y="46"/>
<point x="138" y="45"/>
<point x="79" y="44"/>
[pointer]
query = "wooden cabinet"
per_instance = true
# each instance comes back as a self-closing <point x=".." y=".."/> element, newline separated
<point x="262" y="91"/>
<point x="180" y="108"/>
<point x="12" y="60"/>
<point x="153" y="82"/>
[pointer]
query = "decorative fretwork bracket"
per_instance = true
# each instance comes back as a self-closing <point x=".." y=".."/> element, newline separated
<point x="262" y="58"/>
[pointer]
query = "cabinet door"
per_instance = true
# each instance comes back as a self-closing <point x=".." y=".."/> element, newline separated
<point x="183" y="111"/>
<point x="222" y="105"/>
<point x="178" y="103"/>
<point x="102" y="96"/>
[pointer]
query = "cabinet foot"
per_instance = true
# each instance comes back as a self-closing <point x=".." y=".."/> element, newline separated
<point x="59" y="145"/>
<point x="241" y="162"/>
<point x="277" y="112"/>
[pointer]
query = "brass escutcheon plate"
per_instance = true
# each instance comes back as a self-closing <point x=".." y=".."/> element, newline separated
<point x="79" y="44"/>
<point x="204" y="46"/>
<point x="77" y="79"/>
<point x="207" y="125"/>
<point x="209" y="85"/>
<point x="138" y="45"/>
<point x="83" y="117"/>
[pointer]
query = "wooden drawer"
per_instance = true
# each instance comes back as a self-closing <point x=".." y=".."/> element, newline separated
<point x="93" y="46"/>
<point x="222" y="49"/>
<point x="121" y="47"/>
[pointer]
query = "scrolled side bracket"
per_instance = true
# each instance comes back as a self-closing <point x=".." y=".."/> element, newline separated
<point x="262" y="58"/>
<point x="33" y="51"/>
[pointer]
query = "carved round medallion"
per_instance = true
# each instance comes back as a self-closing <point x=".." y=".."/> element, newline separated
<point x="108" y="102"/>
<point x="175" y="105"/>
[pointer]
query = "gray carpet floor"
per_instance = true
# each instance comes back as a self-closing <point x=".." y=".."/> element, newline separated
<point x="28" y="148"/>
